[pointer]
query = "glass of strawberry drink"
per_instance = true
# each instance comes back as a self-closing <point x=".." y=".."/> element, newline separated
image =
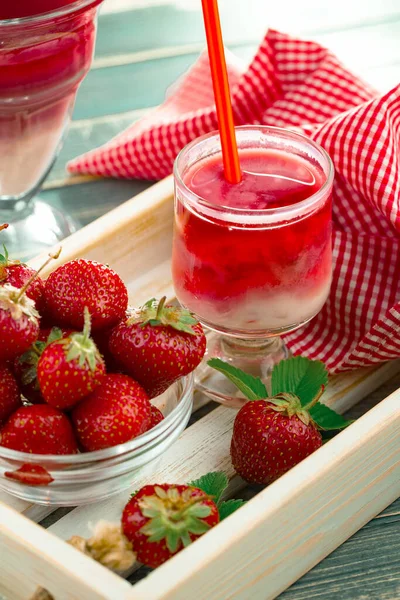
<point x="252" y="260"/>
<point x="46" y="50"/>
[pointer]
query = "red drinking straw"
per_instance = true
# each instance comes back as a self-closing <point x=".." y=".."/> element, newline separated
<point x="230" y="155"/>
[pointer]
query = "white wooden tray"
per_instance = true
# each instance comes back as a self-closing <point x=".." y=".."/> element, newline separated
<point x="263" y="548"/>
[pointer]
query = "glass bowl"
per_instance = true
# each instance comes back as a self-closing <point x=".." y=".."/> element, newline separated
<point x="89" y="477"/>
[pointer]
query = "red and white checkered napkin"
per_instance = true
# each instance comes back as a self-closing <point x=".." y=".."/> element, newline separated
<point x="301" y="85"/>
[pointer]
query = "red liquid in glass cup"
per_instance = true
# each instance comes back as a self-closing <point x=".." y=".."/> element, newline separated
<point x="249" y="276"/>
<point x="42" y="62"/>
<point x="27" y="8"/>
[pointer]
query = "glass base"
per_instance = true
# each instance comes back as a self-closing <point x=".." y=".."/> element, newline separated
<point x="34" y="230"/>
<point x="257" y="357"/>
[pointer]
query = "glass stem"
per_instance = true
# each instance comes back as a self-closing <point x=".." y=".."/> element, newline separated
<point x="14" y="208"/>
<point x="239" y="346"/>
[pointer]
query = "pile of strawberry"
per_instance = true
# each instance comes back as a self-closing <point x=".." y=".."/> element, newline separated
<point x="77" y="367"/>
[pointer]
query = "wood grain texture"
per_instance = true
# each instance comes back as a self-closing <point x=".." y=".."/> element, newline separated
<point x="336" y="491"/>
<point x="47" y="561"/>
<point x="132" y="221"/>
<point x="212" y="434"/>
<point x="85" y="135"/>
<point x="88" y="201"/>
<point x="210" y="437"/>
<point x="135" y="239"/>
<point x="130" y="83"/>
<point x="180" y="23"/>
<point x="366" y="567"/>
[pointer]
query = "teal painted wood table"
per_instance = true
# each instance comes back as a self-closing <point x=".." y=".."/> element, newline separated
<point x="143" y="46"/>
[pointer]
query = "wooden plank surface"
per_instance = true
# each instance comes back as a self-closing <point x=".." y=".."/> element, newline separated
<point x="64" y="571"/>
<point x="366" y="567"/>
<point x="293" y="523"/>
<point x="211" y="437"/>
<point x="123" y="79"/>
<point x="134" y="83"/>
<point x="213" y="433"/>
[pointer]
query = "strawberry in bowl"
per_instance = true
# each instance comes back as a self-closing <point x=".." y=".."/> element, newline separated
<point x="79" y="418"/>
<point x="158" y="344"/>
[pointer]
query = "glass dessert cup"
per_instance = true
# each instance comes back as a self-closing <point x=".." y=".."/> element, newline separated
<point x="252" y="261"/>
<point x="43" y="60"/>
<point x="92" y="476"/>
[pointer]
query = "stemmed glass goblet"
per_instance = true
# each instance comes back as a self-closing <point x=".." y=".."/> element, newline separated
<point x="43" y="60"/>
<point x="252" y="260"/>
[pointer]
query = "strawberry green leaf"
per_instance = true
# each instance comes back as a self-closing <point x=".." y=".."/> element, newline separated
<point x="328" y="435"/>
<point x="252" y="387"/>
<point x="54" y="335"/>
<point x="152" y="322"/>
<point x="328" y="419"/>
<point x="29" y="375"/>
<point x="4" y="258"/>
<point x="213" y="484"/>
<point x="300" y="376"/>
<point x="229" y="507"/>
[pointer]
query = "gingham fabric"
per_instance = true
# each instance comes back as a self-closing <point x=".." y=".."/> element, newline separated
<point x="301" y="85"/>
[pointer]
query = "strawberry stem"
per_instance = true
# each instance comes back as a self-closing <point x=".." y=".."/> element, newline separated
<point x="156" y="312"/>
<point x="315" y="400"/>
<point x="160" y="307"/>
<point x="178" y="515"/>
<point x="34" y="276"/>
<point x="87" y="325"/>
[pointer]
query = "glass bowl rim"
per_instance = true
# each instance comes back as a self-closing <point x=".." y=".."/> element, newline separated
<point x="283" y="211"/>
<point x="85" y="458"/>
<point x="58" y="12"/>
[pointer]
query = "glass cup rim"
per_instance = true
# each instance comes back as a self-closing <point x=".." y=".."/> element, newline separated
<point x="281" y="212"/>
<point x="138" y="443"/>
<point x="58" y="12"/>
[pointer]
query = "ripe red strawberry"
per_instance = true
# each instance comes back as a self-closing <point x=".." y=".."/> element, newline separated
<point x="70" y="368"/>
<point x="158" y="344"/>
<point x="269" y="439"/>
<point x="156" y="416"/>
<point x="39" y="429"/>
<point x="116" y="412"/>
<point x="19" y="319"/>
<point x="160" y="520"/>
<point x="25" y="366"/>
<point x="10" y="396"/>
<point x="18" y="274"/>
<point x="19" y="322"/>
<point x="81" y="283"/>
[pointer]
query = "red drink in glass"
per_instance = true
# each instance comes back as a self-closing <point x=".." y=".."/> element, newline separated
<point x="43" y="59"/>
<point x="29" y="8"/>
<point x="254" y="259"/>
<point x="46" y="49"/>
